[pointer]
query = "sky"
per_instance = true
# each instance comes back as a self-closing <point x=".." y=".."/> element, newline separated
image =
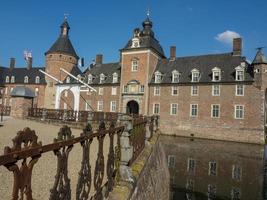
<point x="195" y="27"/>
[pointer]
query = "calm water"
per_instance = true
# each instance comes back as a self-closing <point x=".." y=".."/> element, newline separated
<point x="206" y="169"/>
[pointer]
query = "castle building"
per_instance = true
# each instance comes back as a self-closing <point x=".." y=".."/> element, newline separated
<point x="218" y="96"/>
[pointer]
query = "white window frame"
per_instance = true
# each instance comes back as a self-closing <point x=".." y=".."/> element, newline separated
<point x="68" y="79"/>
<point x="114" y="91"/>
<point x="191" y="110"/>
<point x="26" y="79"/>
<point x="171" y="161"/>
<point x="237" y="90"/>
<point x="239" y="176"/>
<point x="88" y="105"/>
<point x="115" y="78"/>
<point x="173" y="89"/>
<point x="172" y="106"/>
<point x="142" y="88"/>
<point x="156" y="91"/>
<point x="154" y="105"/>
<point x="113" y="106"/>
<point x="175" y="76"/>
<point x="213" y="90"/>
<point x="243" y="111"/>
<point x="7" y="79"/>
<point x="195" y="75"/>
<point x="37" y="79"/>
<point x="216" y="70"/>
<point x="211" y="172"/>
<point x="125" y="89"/>
<point x="193" y="87"/>
<point x="102" y="78"/>
<point x="158" y="77"/>
<point x="90" y="79"/>
<point x="100" y="91"/>
<point x="100" y="106"/>
<point x="189" y="160"/>
<point x="239" y="77"/>
<point x="12" y="80"/>
<point x="36" y="91"/>
<point x="212" y="109"/>
<point x="135" y="65"/>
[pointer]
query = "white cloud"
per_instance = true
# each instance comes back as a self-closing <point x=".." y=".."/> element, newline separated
<point x="227" y="36"/>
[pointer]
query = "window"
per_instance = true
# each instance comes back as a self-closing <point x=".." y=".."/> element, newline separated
<point x="142" y="88"/>
<point x="212" y="168"/>
<point x="175" y="76"/>
<point x="174" y="90"/>
<point x="239" y="90"/>
<point x="6" y="91"/>
<point x="211" y="191"/>
<point x="134" y="65"/>
<point x="171" y="161"/>
<point x="100" y="106"/>
<point x="191" y="165"/>
<point x="156" y="91"/>
<point x="158" y="77"/>
<point x="68" y="79"/>
<point x="216" y="74"/>
<point x="36" y="91"/>
<point x="12" y="79"/>
<point x="26" y="79"/>
<point x="125" y="89"/>
<point x="195" y="75"/>
<point x="193" y="110"/>
<point x="7" y="79"/>
<point x="100" y="91"/>
<point x="90" y="79"/>
<point x="156" y="108"/>
<point x="135" y="42"/>
<point x="115" y="78"/>
<point x="102" y="78"/>
<point x="114" y="91"/>
<point x="190" y="184"/>
<point x="215" y="111"/>
<point x="174" y="108"/>
<point x="11" y="89"/>
<point x="113" y="106"/>
<point x="239" y="73"/>
<point x="239" y="111"/>
<point x="88" y="105"/>
<point x="235" y="194"/>
<point x="215" y="90"/>
<point x="37" y="79"/>
<point x="236" y="172"/>
<point x="194" y="90"/>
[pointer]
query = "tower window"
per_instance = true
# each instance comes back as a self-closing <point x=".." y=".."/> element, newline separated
<point x="7" y="79"/>
<point x="134" y="65"/>
<point x="26" y="79"/>
<point x="12" y="79"/>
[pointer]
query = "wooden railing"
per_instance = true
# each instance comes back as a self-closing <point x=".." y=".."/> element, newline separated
<point x="25" y="146"/>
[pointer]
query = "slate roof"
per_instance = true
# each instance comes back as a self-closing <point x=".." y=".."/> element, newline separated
<point x="20" y="73"/>
<point x="63" y="43"/>
<point x="107" y="69"/>
<point x="147" y="39"/>
<point x="260" y="58"/>
<point x="75" y="71"/>
<point x="22" y="91"/>
<point x="205" y="63"/>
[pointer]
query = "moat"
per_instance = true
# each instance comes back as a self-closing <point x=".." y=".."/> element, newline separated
<point x="207" y="169"/>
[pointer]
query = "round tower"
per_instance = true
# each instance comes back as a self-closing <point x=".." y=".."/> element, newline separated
<point x="60" y="55"/>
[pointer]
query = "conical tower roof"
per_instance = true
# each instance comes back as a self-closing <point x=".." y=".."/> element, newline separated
<point x="259" y="58"/>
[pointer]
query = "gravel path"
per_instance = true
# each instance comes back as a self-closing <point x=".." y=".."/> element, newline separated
<point x="45" y="169"/>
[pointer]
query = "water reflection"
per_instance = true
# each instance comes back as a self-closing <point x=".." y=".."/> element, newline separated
<point x="206" y="169"/>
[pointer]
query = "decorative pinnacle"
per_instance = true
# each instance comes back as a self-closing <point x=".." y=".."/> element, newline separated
<point x="260" y="48"/>
<point x="66" y="16"/>
<point x="148" y="13"/>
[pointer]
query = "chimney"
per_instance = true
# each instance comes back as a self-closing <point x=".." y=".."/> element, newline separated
<point x="237" y="46"/>
<point x="12" y="63"/>
<point x="172" y="53"/>
<point x="29" y="66"/>
<point x="98" y="59"/>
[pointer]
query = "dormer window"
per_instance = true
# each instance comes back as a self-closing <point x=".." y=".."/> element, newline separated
<point x="12" y="79"/>
<point x="68" y="79"/>
<point x="239" y="73"/>
<point x="216" y="74"/>
<point x="37" y="79"/>
<point x="158" y="77"/>
<point x="135" y="42"/>
<point x="26" y="79"/>
<point x="90" y="79"/>
<point x="7" y="79"/>
<point x="195" y="75"/>
<point x="175" y="76"/>
<point x="79" y="77"/>
<point x="115" y="78"/>
<point x="102" y="78"/>
<point x="134" y="65"/>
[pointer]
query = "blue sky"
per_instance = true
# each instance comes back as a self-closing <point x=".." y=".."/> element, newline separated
<point x="105" y="26"/>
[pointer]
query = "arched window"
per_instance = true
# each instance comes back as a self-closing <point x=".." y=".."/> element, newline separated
<point x="12" y="79"/>
<point x="7" y="79"/>
<point x="37" y="79"/>
<point x="26" y="79"/>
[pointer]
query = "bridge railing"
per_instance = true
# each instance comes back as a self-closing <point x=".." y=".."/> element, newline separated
<point x="5" y="110"/>
<point x="27" y="147"/>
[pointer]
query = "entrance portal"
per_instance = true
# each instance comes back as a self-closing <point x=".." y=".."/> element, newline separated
<point x="132" y="107"/>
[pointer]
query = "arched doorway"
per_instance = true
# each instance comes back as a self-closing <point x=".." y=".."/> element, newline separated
<point x="132" y="107"/>
<point x="66" y="100"/>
